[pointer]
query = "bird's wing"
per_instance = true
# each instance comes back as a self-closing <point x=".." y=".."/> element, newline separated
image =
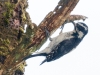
<point x="62" y="48"/>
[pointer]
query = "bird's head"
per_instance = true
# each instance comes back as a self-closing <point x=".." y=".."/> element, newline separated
<point x="81" y="27"/>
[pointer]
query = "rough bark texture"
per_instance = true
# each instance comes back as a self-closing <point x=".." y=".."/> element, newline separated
<point x="14" y="43"/>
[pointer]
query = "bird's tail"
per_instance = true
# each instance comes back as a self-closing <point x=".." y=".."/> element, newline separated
<point x="30" y="56"/>
<point x="43" y="61"/>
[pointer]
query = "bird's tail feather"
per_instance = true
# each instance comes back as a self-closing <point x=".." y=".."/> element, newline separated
<point x="30" y="56"/>
<point x="43" y="61"/>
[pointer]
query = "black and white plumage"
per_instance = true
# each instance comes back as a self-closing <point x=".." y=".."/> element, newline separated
<point x="63" y="43"/>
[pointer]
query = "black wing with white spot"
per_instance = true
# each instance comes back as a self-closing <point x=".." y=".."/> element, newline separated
<point x="63" y="48"/>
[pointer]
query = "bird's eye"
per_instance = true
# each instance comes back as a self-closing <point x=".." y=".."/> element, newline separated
<point x="82" y="27"/>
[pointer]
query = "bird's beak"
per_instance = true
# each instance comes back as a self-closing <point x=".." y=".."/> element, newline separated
<point x="73" y="24"/>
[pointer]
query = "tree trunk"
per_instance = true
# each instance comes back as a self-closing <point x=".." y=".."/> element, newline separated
<point x="15" y="44"/>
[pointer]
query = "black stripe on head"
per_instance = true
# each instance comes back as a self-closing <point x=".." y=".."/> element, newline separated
<point x="82" y="27"/>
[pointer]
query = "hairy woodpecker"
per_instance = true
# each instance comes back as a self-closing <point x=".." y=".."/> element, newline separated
<point x="63" y="43"/>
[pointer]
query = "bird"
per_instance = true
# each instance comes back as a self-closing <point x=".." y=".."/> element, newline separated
<point x="63" y="43"/>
